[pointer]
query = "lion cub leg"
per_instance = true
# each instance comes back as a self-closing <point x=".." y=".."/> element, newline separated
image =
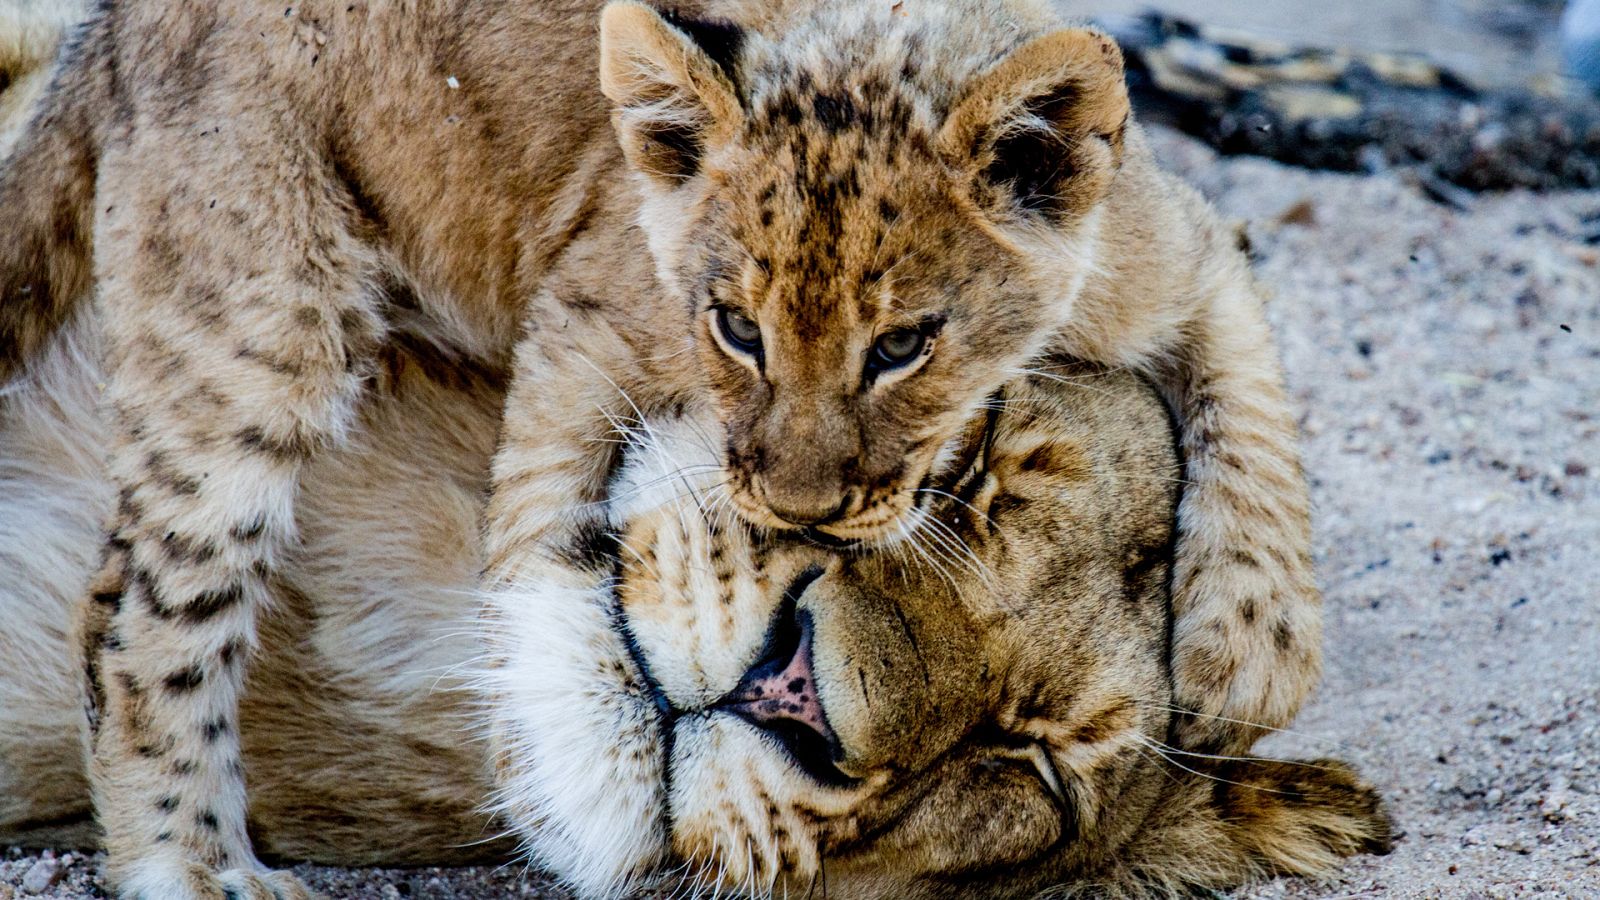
<point x="238" y="326"/>
<point x="1247" y="638"/>
<point x="567" y="412"/>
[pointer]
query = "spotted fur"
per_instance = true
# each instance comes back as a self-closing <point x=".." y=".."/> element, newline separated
<point x="257" y="201"/>
<point x="999" y="697"/>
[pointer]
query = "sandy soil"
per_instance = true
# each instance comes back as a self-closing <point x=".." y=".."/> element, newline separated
<point x="1447" y="366"/>
<point x="1447" y="369"/>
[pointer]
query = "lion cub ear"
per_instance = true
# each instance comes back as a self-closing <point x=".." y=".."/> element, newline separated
<point x="1043" y="128"/>
<point x="670" y="80"/>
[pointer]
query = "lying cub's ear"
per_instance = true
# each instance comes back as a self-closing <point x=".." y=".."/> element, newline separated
<point x="670" y="80"/>
<point x="1043" y="128"/>
<point x="1252" y="818"/>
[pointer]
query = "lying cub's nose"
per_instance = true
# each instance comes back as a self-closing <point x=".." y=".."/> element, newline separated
<point x="779" y="692"/>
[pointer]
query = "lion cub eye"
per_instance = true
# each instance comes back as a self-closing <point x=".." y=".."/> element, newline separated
<point x="896" y="348"/>
<point x="740" y="331"/>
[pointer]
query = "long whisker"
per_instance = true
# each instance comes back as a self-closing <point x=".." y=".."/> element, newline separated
<point x="644" y="422"/>
<point x="1172" y="762"/>
<point x="1168" y="748"/>
<point x="1338" y="745"/>
<point x="939" y="493"/>
<point x="640" y="488"/>
<point x="1078" y="365"/>
<point x="964" y="554"/>
<point x="911" y="539"/>
<point x="1067" y="380"/>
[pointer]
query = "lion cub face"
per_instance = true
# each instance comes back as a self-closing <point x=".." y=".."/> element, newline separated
<point x="875" y="220"/>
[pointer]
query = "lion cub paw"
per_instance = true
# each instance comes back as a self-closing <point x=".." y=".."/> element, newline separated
<point x="189" y="880"/>
<point x="1245" y="655"/>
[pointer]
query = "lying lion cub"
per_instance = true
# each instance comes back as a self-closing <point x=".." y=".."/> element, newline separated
<point x="982" y="713"/>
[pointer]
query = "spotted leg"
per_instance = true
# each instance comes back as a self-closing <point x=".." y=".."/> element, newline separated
<point x="236" y="346"/>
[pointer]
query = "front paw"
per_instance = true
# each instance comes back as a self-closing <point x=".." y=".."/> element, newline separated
<point x="169" y="879"/>
<point x="1236" y="676"/>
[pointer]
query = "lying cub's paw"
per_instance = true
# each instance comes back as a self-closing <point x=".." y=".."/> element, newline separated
<point x="187" y="880"/>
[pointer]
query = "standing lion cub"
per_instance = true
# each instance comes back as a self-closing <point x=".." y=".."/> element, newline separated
<point x="841" y="226"/>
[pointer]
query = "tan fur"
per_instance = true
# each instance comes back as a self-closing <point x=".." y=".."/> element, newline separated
<point x="354" y="722"/>
<point x="960" y="683"/>
<point x="260" y="200"/>
<point x="30" y="31"/>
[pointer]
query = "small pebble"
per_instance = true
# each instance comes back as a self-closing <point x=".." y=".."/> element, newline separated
<point x="1554" y="806"/>
<point x="41" y="876"/>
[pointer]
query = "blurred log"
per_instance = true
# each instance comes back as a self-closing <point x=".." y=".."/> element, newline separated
<point x="1351" y="112"/>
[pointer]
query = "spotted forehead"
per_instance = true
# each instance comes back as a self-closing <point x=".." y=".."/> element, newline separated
<point x="832" y="201"/>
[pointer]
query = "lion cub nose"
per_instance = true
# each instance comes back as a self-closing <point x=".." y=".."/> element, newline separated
<point x="779" y="693"/>
<point x="806" y="508"/>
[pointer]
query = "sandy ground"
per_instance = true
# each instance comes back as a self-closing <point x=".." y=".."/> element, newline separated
<point x="1446" y="365"/>
<point x="1447" y="369"/>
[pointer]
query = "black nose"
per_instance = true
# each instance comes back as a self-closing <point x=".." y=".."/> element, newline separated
<point x="779" y="693"/>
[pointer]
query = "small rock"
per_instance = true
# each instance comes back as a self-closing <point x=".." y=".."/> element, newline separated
<point x="390" y="892"/>
<point x="1302" y="212"/>
<point x="6" y="892"/>
<point x="1494" y="797"/>
<point x="1513" y="844"/>
<point x="41" y="876"/>
<point x="1554" y="806"/>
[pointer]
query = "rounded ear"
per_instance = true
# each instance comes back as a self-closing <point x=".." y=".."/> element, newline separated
<point x="1044" y="127"/>
<point x="670" y="84"/>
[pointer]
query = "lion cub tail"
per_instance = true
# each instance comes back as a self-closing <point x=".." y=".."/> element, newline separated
<point x="47" y="178"/>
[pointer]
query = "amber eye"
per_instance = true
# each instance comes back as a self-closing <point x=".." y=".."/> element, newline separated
<point x="896" y="348"/>
<point x="740" y="331"/>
